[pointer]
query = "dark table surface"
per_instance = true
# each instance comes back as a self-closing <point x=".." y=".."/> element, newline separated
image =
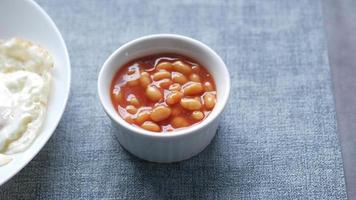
<point x="340" y="18"/>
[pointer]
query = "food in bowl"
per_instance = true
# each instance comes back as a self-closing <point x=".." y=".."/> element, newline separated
<point x="25" y="77"/>
<point x="184" y="142"/>
<point x="163" y="92"/>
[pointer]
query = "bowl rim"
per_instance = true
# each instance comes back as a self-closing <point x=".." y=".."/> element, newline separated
<point x="176" y="133"/>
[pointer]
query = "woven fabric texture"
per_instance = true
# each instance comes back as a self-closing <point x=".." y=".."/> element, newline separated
<point x="277" y="138"/>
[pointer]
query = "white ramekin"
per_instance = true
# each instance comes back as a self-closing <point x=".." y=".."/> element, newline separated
<point x="177" y="145"/>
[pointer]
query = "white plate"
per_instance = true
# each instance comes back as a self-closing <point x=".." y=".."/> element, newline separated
<point x="25" y="19"/>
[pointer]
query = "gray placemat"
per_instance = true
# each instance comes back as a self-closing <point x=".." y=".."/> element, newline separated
<point x="277" y="138"/>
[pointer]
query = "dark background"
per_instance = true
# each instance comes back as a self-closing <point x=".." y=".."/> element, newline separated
<point x="340" y="21"/>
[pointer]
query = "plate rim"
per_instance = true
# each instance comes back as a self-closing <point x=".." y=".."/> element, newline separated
<point x="60" y="112"/>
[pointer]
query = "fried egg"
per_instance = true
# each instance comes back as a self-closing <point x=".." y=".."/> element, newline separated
<point x="25" y="77"/>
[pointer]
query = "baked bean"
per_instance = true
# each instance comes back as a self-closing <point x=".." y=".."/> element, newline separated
<point x="209" y="101"/>
<point x="190" y="104"/>
<point x="131" y="109"/>
<point x="160" y="113"/>
<point x="153" y="93"/>
<point x="192" y="88"/>
<point x="181" y="67"/>
<point x="208" y="87"/>
<point x="151" y="126"/>
<point x="161" y="75"/>
<point x="164" y="65"/>
<point x="142" y="116"/>
<point x="163" y="92"/>
<point x="179" y="122"/>
<point x="145" y="79"/>
<point x="131" y="99"/>
<point x="194" y="77"/>
<point x="133" y="82"/>
<point x="196" y="68"/>
<point x="197" y="115"/>
<point x="174" y="97"/>
<point x="174" y="87"/>
<point x="179" y="78"/>
<point x="165" y="83"/>
<point x="129" y="120"/>
<point x="117" y="96"/>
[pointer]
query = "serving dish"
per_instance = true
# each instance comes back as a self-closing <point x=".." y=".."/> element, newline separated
<point x="25" y="19"/>
<point x="176" y="145"/>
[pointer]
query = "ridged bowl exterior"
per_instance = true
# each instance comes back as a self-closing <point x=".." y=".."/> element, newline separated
<point x="166" y="149"/>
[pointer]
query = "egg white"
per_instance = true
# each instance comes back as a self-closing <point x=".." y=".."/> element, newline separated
<point x="25" y="77"/>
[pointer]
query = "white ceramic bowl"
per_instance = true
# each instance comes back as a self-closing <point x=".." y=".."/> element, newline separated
<point x="177" y="145"/>
<point x="25" y="19"/>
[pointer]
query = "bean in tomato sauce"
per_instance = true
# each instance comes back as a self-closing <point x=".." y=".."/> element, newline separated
<point x="163" y="92"/>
